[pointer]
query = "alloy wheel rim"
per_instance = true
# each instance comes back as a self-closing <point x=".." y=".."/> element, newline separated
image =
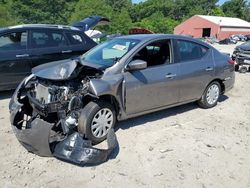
<point x="102" y="122"/>
<point x="213" y="93"/>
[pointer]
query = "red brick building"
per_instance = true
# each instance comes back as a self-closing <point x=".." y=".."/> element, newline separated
<point x="212" y="26"/>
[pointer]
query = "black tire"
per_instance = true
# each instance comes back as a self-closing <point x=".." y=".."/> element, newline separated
<point x="203" y="102"/>
<point x="249" y="69"/>
<point x="237" y="67"/>
<point x="243" y="69"/>
<point x="87" y="115"/>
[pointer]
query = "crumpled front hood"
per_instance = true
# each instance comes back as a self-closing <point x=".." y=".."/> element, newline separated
<point x="62" y="70"/>
<point x="57" y="70"/>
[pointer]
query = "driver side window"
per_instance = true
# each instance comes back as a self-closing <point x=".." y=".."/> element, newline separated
<point x="156" y="53"/>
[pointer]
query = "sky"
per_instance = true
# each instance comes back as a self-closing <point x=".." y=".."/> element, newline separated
<point x="137" y="1"/>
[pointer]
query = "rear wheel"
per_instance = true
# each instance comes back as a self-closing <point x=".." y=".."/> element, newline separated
<point x="96" y="119"/>
<point x="211" y="95"/>
<point x="236" y="67"/>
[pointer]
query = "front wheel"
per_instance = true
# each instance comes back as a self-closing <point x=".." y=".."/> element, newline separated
<point x="96" y="119"/>
<point x="211" y="95"/>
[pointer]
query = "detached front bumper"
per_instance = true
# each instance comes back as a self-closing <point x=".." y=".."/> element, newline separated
<point x="35" y="138"/>
<point x="35" y="135"/>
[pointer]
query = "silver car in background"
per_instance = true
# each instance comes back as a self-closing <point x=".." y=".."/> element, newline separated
<point x="119" y="79"/>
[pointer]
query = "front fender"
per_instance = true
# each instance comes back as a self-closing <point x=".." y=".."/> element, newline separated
<point x="107" y="86"/>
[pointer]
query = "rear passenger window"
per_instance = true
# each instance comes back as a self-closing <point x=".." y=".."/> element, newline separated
<point x="191" y="51"/>
<point x="75" y="39"/>
<point x="43" y="39"/>
<point x="13" y="41"/>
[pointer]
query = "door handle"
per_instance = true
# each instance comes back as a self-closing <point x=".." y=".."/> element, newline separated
<point x="22" y="55"/>
<point x="170" y="76"/>
<point x="66" y="51"/>
<point x="209" y="69"/>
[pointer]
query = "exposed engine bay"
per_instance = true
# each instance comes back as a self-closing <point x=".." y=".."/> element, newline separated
<point x="45" y="114"/>
<point x="47" y="98"/>
<point x="60" y="102"/>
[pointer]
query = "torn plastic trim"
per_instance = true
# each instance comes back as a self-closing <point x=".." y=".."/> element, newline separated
<point x="14" y="104"/>
<point x="35" y="138"/>
<point x="74" y="149"/>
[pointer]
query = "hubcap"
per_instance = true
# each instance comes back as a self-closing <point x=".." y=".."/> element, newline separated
<point x="213" y="93"/>
<point x="102" y="122"/>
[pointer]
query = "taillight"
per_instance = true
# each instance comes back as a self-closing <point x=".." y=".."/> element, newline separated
<point x="230" y="61"/>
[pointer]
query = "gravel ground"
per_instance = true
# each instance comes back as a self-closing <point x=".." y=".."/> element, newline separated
<point x="184" y="146"/>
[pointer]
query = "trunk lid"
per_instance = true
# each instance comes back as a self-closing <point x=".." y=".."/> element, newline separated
<point x="90" y="22"/>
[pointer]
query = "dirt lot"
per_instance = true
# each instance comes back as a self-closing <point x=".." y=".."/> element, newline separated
<point x="180" y="147"/>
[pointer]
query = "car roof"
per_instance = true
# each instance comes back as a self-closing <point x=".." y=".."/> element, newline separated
<point x="148" y="37"/>
<point x="39" y="26"/>
<point x="141" y="36"/>
<point x="2" y="29"/>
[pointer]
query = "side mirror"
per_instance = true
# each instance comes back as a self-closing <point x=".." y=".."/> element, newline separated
<point x="136" y="65"/>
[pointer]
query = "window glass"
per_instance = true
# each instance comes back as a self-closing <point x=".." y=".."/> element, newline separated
<point x="59" y="39"/>
<point x="110" y="52"/>
<point x="42" y="39"/>
<point x="156" y="53"/>
<point x="75" y="39"/>
<point x="190" y="50"/>
<point x="14" y="41"/>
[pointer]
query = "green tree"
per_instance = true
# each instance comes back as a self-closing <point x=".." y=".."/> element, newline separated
<point x="174" y="9"/>
<point x="42" y="11"/>
<point x="158" y="15"/>
<point x="85" y="8"/>
<point x="118" y="5"/>
<point x="6" y="19"/>
<point x="121" y="22"/>
<point x="217" y="12"/>
<point x="184" y="9"/>
<point x="158" y="23"/>
<point x="237" y="8"/>
<point x="149" y="7"/>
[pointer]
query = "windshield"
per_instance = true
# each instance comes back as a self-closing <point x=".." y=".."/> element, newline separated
<point x="109" y="52"/>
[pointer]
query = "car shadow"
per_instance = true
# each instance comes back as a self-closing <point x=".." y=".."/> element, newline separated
<point x="140" y="120"/>
<point x="6" y="94"/>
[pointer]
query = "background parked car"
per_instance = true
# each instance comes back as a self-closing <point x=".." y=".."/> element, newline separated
<point x="247" y="37"/>
<point x="241" y="55"/>
<point x="26" y="46"/>
<point x="228" y="41"/>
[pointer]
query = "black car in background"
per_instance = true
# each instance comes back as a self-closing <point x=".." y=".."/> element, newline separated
<point x="241" y="55"/>
<point x="23" y="47"/>
<point x="247" y="37"/>
<point x="228" y="41"/>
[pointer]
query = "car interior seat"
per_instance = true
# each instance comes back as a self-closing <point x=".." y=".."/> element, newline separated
<point x="196" y="52"/>
<point x="142" y="55"/>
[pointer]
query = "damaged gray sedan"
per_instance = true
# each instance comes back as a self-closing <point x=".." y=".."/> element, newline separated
<point x="82" y="98"/>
